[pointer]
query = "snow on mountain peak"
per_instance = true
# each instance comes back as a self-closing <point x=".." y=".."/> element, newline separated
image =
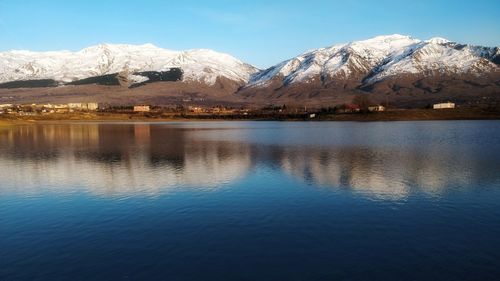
<point x="198" y="65"/>
<point x="387" y="39"/>
<point x="379" y="57"/>
<point x="438" y="40"/>
<point x="370" y="60"/>
<point x="388" y="42"/>
<point x="341" y="60"/>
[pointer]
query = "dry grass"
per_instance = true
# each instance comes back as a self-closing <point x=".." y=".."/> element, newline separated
<point x="394" y="115"/>
<point x="420" y="115"/>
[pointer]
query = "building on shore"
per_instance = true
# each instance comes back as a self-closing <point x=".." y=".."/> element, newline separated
<point x="446" y="105"/>
<point x="142" y="108"/>
<point x="87" y="106"/>
<point x="221" y="110"/>
<point x="6" y="105"/>
<point x="349" y="108"/>
<point x="5" y="108"/>
<point x="21" y="109"/>
<point x="376" y="108"/>
<point x="60" y="108"/>
<point x="197" y="109"/>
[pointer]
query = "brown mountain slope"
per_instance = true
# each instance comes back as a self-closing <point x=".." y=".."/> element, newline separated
<point x="160" y="93"/>
<point x="403" y="90"/>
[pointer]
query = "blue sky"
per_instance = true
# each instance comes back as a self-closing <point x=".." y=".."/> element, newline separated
<point x="259" y="32"/>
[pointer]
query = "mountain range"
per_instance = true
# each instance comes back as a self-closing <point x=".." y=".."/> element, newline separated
<point x="394" y="69"/>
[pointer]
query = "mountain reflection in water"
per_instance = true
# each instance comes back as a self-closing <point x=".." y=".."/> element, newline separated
<point x="385" y="162"/>
<point x="250" y="201"/>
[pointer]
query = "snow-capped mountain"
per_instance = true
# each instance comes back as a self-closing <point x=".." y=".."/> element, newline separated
<point x="200" y="65"/>
<point x="394" y="68"/>
<point x="376" y="59"/>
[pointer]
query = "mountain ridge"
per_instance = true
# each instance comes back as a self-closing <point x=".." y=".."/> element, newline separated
<point x="395" y="68"/>
<point x="200" y="65"/>
<point x="384" y="55"/>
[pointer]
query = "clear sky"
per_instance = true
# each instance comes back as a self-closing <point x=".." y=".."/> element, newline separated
<point x="259" y="32"/>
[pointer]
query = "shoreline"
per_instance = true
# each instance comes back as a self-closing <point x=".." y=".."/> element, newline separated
<point x="386" y="116"/>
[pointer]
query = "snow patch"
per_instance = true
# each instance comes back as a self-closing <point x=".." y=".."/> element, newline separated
<point x="198" y="65"/>
<point x="381" y="57"/>
<point x="438" y="40"/>
<point x="137" y="79"/>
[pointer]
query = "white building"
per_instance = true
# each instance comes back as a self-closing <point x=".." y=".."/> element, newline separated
<point x="142" y="108"/>
<point x="60" y="106"/>
<point x="75" y="105"/>
<point x="376" y="108"/>
<point x="445" y="105"/>
<point x="90" y="106"/>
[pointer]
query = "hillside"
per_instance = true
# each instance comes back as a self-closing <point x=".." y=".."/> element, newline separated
<point x="395" y="69"/>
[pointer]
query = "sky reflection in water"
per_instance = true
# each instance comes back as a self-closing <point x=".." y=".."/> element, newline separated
<point x="382" y="160"/>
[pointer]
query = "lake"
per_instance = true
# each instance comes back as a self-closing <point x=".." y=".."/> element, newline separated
<point x="250" y="201"/>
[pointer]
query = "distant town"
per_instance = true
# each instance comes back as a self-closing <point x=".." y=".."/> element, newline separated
<point x="358" y="110"/>
<point x="48" y="108"/>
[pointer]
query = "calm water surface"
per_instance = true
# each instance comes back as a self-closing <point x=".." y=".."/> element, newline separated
<point x="251" y="201"/>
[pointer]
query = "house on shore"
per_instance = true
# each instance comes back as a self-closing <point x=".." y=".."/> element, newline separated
<point x="196" y="109"/>
<point x="4" y="108"/>
<point x="349" y="108"/>
<point x="446" y="105"/>
<point x="376" y="108"/>
<point x="85" y="106"/>
<point x="142" y="108"/>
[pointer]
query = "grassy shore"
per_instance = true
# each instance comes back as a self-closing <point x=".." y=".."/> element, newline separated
<point x="4" y="123"/>
<point x="392" y="115"/>
<point x="419" y="115"/>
